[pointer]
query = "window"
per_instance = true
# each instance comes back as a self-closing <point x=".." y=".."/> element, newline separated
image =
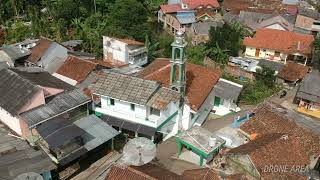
<point x="112" y="102"/>
<point x="132" y="107"/>
<point x="277" y="54"/>
<point x="154" y="111"/>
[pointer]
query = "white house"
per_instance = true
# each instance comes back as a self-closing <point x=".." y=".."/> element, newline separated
<point x="279" y="46"/>
<point x="226" y="96"/>
<point x="134" y="104"/>
<point x="126" y="51"/>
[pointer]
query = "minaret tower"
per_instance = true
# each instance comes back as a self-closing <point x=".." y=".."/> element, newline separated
<point x="178" y="72"/>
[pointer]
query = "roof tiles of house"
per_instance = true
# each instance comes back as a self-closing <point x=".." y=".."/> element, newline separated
<point x="293" y="72"/>
<point x="170" y="8"/>
<point x="15" y="91"/>
<point x="283" y="41"/>
<point x="76" y="68"/>
<point x="277" y="140"/>
<point x="203" y="173"/>
<point x="200" y="80"/>
<point x="304" y="22"/>
<point x="118" y="172"/>
<point x="43" y="79"/>
<point x="162" y="98"/>
<point x="36" y="52"/>
<point x="125" y="88"/>
<point x="193" y="4"/>
<point x="276" y="20"/>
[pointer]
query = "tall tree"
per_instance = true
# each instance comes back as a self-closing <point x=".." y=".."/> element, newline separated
<point x="218" y="55"/>
<point x="128" y="18"/>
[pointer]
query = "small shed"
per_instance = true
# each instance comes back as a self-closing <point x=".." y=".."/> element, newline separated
<point x="200" y="141"/>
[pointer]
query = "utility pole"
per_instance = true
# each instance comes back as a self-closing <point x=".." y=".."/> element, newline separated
<point x="95" y="6"/>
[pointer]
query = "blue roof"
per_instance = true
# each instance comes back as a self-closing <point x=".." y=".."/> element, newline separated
<point x="291" y="2"/>
<point x="186" y="17"/>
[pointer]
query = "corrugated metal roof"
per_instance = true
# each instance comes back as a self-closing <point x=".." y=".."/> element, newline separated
<point x="21" y="158"/>
<point x="186" y="17"/>
<point x="227" y="90"/>
<point x="97" y="131"/>
<point x="59" y="104"/>
<point x="310" y="87"/>
<point x="15" y="53"/>
<point x="124" y="87"/>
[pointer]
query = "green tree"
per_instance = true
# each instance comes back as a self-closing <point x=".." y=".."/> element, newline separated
<point x="196" y="54"/>
<point x="128" y="18"/>
<point x="226" y="37"/>
<point x="267" y="76"/>
<point x="218" y="55"/>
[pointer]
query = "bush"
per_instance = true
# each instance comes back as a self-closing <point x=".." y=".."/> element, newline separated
<point x="255" y="93"/>
<point x="195" y="54"/>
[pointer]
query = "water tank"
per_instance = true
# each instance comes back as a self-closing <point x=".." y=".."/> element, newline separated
<point x="212" y="141"/>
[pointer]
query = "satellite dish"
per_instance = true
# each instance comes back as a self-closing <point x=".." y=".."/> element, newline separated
<point x="29" y="176"/>
<point x="139" y="151"/>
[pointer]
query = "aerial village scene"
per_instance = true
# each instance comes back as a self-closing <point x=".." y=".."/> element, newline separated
<point x="159" y="89"/>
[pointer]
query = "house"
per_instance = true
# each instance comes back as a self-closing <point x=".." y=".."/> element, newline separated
<point x="277" y="22"/>
<point x="125" y="51"/>
<point x="180" y="15"/>
<point x="18" y="157"/>
<point x="279" y="139"/>
<point x="307" y="25"/>
<point x="130" y="103"/>
<point x="75" y="71"/>
<point x="51" y="114"/>
<point x="226" y="97"/>
<point x="292" y="73"/>
<point x="201" y="31"/>
<point x="200" y="82"/>
<point x="308" y="95"/>
<point x="47" y="54"/>
<point x="279" y="46"/>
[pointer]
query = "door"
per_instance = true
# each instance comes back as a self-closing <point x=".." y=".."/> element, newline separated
<point x="257" y="52"/>
<point x="217" y="101"/>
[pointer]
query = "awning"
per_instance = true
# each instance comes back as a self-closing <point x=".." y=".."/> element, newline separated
<point x="135" y="127"/>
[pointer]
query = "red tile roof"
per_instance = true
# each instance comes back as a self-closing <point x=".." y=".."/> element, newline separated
<point x="76" y="68"/>
<point x="200" y="80"/>
<point x="170" y="8"/>
<point x="203" y="174"/>
<point x="193" y="4"/>
<point x="42" y="45"/>
<point x="118" y="172"/>
<point x="283" y="41"/>
<point x="110" y="63"/>
<point x="293" y="72"/>
<point x="279" y="141"/>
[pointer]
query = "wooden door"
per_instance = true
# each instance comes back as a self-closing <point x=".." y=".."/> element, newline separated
<point x="257" y="52"/>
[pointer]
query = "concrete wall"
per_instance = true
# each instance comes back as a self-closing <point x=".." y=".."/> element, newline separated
<point x="117" y="49"/>
<point x="141" y="114"/>
<point x="264" y="54"/>
<point x="35" y="101"/>
<point x="12" y="122"/>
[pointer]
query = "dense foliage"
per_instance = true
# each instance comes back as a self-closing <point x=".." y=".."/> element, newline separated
<point x="88" y="20"/>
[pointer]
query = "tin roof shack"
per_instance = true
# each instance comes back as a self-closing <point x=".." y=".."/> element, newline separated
<point x="17" y="157"/>
<point x="308" y="95"/>
<point x="47" y="54"/>
<point x="13" y="55"/>
<point x="200" y="141"/>
<point x="279" y="139"/>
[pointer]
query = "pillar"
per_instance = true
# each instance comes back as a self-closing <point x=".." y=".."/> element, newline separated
<point x="179" y="148"/>
<point x="305" y="62"/>
<point x="201" y="160"/>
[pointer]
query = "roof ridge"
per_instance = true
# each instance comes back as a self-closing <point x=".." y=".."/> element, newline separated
<point x="158" y="71"/>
